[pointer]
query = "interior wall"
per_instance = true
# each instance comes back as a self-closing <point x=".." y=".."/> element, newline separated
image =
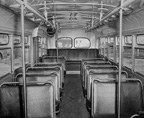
<point x="73" y="33"/>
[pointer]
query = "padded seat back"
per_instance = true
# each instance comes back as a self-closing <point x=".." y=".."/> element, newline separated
<point x="45" y="70"/>
<point x="104" y="97"/>
<point x="93" y="64"/>
<point x="91" y="60"/>
<point x="54" y="59"/>
<point x="43" y="65"/>
<point x="10" y="102"/>
<point x="31" y="77"/>
<point x="99" y="69"/>
<point x="40" y="100"/>
<point x="102" y="76"/>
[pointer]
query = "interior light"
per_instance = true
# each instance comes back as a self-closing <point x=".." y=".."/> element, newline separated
<point x="113" y="16"/>
<point x="29" y="14"/>
<point x="38" y="19"/>
<point x="42" y="9"/>
<point x="15" y="6"/>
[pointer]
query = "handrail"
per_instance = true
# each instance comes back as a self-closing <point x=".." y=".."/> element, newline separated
<point x="29" y="7"/>
<point x="113" y="12"/>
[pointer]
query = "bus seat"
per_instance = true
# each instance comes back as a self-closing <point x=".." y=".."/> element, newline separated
<point x="98" y="69"/>
<point x="40" y="100"/>
<point x="92" y="64"/>
<point x="102" y="76"/>
<point x="11" y="103"/>
<point x="61" y="60"/>
<point x="52" y="66"/>
<point x="91" y="60"/>
<point x="45" y="70"/>
<point x="104" y="95"/>
<point x="31" y="77"/>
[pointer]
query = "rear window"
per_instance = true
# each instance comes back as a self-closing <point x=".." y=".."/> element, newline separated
<point x="64" y="42"/>
<point x="82" y="42"/>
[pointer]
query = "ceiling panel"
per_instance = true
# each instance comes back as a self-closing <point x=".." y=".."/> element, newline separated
<point x="86" y="11"/>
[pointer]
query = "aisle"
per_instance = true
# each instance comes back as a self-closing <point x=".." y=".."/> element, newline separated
<point x="73" y="102"/>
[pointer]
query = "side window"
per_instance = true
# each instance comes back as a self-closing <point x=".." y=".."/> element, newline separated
<point x="5" y="55"/>
<point x="127" y="53"/>
<point x="82" y="42"/>
<point x="139" y="54"/>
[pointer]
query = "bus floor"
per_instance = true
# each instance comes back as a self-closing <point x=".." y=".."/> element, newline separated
<point x="73" y="104"/>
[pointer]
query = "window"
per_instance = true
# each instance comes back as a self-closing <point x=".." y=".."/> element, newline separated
<point x="140" y="40"/>
<point x="82" y="42"/>
<point x="128" y="39"/>
<point x="139" y="60"/>
<point x="17" y="39"/>
<point x="5" y="61"/>
<point x="64" y="42"/>
<point x="111" y="40"/>
<point x="4" y="40"/>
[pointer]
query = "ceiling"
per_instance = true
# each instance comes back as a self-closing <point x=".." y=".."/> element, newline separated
<point x="73" y="13"/>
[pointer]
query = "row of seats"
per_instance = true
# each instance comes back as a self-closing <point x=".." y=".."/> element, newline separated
<point x="44" y="81"/>
<point x="100" y="85"/>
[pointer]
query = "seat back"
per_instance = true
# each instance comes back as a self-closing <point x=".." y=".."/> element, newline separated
<point x="52" y="66"/>
<point x="40" y="100"/>
<point x="104" y="97"/>
<point x="98" y="69"/>
<point x="45" y="70"/>
<point x="131" y="97"/>
<point x="31" y="77"/>
<point x="54" y="59"/>
<point x="10" y="101"/>
<point x="98" y="60"/>
<point x="102" y="76"/>
<point x="93" y="64"/>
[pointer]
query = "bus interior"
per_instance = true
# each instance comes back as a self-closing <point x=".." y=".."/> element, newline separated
<point x="71" y="58"/>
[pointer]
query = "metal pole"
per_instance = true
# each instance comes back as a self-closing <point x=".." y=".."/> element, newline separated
<point x="133" y="53"/>
<point x="23" y="62"/>
<point x="120" y="61"/>
<point x="56" y="37"/>
<point x="114" y="49"/>
<point x="12" y="53"/>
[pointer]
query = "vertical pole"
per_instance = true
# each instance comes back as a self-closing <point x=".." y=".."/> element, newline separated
<point x="56" y="37"/>
<point x="23" y="62"/>
<point x="133" y="53"/>
<point x="114" y="49"/>
<point x="120" y="61"/>
<point x="12" y="53"/>
<point x="104" y="47"/>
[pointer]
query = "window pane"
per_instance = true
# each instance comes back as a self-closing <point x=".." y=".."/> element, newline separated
<point x="64" y="42"/>
<point x="140" y="39"/>
<point x="17" y="39"/>
<point x="5" y="61"/>
<point x="18" y="56"/>
<point x="81" y="42"/>
<point x="4" y="39"/>
<point x="111" y="54"/>
<point x="127" y="56"/>
<point x="139" y="60"/>
<point x="128" y="39"/>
